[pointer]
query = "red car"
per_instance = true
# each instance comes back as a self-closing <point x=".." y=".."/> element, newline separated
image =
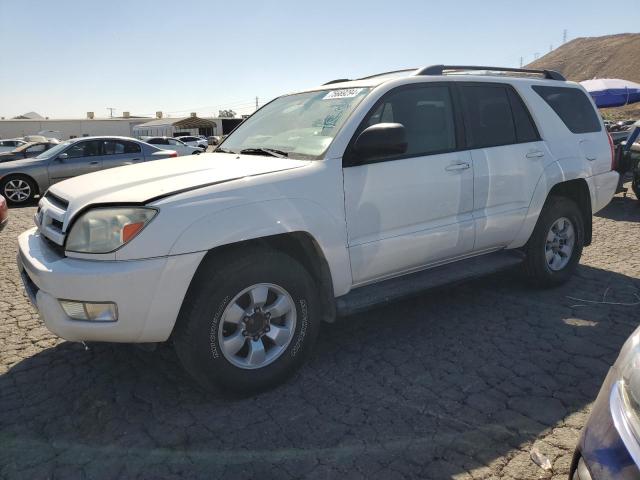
<point x="4" y="212"/>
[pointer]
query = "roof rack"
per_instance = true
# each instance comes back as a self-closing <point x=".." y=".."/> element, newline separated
<point x="387" y="73"/>
<point x="441" y="69"/>
<point x="337" y="80"/>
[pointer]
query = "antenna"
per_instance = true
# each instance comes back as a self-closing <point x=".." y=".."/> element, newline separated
<point x="564" y="36"/>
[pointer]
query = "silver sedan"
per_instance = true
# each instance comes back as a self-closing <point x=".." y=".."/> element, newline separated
<point x="22" y="180"/>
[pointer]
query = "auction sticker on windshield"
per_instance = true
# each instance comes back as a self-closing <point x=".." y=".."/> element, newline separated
<point x="342" y="93"/>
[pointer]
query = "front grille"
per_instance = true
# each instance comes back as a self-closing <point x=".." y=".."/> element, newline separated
<point x="50" y="219"/>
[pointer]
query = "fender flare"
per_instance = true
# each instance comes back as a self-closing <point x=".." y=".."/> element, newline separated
<point x="255" y="220"/>
<point x="555" y="173"/>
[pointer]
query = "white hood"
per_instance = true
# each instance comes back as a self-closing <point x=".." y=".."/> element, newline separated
<point x="145" y="181"/>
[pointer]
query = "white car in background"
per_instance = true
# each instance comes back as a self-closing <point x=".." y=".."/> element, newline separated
<point x="169" y="143"/>
<point x="195" y="141"/>
<point x="10" y="144"/>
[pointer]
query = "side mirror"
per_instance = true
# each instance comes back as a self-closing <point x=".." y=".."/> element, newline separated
<point x="62" y="157"/>
<point x="379" y="140"/>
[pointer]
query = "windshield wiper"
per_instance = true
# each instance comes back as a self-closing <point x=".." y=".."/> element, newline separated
<point x="269" y="151"/>
<point x="223" y="150"/>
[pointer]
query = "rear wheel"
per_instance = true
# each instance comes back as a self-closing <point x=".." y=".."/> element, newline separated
<point x="249" y="323"/>
<point x="555" y="246"/>
<point x="18" y="190"/>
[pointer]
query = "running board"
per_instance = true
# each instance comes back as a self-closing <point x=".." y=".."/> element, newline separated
<point x="364" y="298"/>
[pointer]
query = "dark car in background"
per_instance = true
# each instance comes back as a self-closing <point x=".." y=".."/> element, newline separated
<point x="28" y="150"/>
<point x="22" y="180"/>
<point x="609" y="447"/>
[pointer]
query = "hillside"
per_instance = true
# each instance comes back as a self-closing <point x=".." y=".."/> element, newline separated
<point x="611" y="56"/>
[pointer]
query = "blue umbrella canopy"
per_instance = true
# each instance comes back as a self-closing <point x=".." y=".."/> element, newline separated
<point x="612" y="92"/>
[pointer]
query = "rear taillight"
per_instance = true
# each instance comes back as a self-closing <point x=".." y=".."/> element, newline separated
<point x="175" y="154"/>
<point x="614" y="163"/>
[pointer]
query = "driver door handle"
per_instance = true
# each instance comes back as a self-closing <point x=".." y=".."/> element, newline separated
<point x="457" y="166"/>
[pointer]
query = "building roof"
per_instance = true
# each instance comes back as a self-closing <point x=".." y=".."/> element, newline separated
<point x="185" y="122"/>
<point x="29" y="116"/>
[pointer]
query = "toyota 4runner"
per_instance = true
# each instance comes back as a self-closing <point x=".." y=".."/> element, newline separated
<point x="322" y="203"/>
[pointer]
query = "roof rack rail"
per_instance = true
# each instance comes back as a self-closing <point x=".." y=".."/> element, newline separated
<point x="441" y="69"/>
<point x="337" y="80"/>
<point x="387" y="73"/>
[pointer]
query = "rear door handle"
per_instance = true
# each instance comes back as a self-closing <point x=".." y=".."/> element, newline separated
<point x="94" y="163"/>
<point x="457" y="166"/>
<point x="535" y="154"/>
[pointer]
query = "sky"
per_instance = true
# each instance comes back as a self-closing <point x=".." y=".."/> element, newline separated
<point x="63" y="58"/>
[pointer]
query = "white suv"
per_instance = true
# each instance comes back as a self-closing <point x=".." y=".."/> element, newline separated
<point x="323" y="202"/>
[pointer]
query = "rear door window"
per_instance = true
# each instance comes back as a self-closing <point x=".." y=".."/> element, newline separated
<point x="572" y="106"/>
<point x="487" y="116"/>
<point x="118" y="147"/>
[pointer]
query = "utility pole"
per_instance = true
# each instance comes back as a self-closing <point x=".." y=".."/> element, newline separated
<point x="521" y="61"/>
<point x="564" y="36"/>
<point x="111" y="109"/>
<point x="550" y="48"/>
<point x="536" y="55"/>
<point x="256" y="103"/>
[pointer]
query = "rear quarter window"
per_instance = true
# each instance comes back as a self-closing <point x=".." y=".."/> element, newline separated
<point x="572" y="106"/>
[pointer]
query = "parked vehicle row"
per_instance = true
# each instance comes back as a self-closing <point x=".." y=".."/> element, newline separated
<point x="28" y="150"/>
<point x="192" y="141"/>
<point x="22" y="179"/>
<point x="170" y="143"/>
<point x="10" y="144"/>
<point x="324" y="201"/>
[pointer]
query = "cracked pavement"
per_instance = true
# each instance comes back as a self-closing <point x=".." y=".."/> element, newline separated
<point x="459" y="383"/>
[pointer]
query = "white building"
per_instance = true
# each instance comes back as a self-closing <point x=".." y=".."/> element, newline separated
<point x="126" y="126"/>
<point x="69" y="128"/>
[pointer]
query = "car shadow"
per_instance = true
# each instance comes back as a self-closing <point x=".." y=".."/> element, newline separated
<point x="441" y="384"/>
<point x="622" y="208"/>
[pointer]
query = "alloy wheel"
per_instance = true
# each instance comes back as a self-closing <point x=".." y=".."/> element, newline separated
<point x="17" y="190"/>
<point x="559" y="244"/>
<point x="257" y="326"/>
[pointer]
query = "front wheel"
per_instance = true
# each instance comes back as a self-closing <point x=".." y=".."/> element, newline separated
<point x="18" y="190"/>
<point x="249" y="323"/>
<point x="555" y="246"/>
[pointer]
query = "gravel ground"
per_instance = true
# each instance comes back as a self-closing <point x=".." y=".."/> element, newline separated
<point x="459" y="383"/>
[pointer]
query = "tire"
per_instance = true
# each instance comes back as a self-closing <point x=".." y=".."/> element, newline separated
<point x="18" y="189"/>
<point x="203" y="331"/>
<point x="547" y="241"/>
<point x="196" y="152"/>
<point x="635" y="185"/>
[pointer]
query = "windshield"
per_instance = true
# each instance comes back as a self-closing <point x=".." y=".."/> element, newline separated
<point x="52" y="152"/>
<point x="298" y="126"/>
